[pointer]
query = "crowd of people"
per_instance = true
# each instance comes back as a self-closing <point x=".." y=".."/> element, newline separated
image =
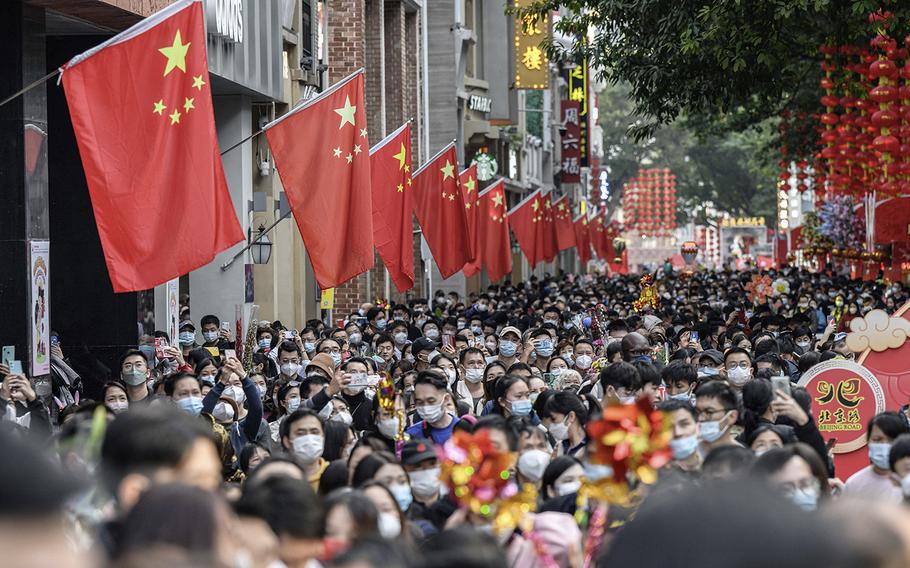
<point x="188" y="457"/>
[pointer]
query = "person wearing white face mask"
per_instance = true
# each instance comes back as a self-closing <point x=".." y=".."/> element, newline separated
<point x="303" y="435"/>
<point x="472" y="364"/>
<point x="422" y="466"/>
<point x="738" y="367"/>
<point x="561" y="478"/>
<point x="534" y="455"/>
<point x="684" y="428"/>
<point x="568" y="415"/>
<point x="717" y="410"/>
<point x="584" y="356"/>
<point x="877" y="480"/>
<point x="621" y="383"/>
<point x="435" y="424"/>
<point x="247" y="425"/>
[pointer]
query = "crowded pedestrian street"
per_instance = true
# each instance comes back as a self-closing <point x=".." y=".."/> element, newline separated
<point x="455" y="284"/>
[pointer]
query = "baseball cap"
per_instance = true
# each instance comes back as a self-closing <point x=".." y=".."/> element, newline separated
<point x="508" y="329"/>
<point x="422" y="344"/>
<point x="417" y="450"/>
<point x="187" y="324"/>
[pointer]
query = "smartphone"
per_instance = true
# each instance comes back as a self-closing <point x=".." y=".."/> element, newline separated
<point x="448" y="340"/>
<point x="288" y="334"/>
<point x="694" y="337"/>
<point x="373" y="380"/>
<point x="550" y="379"/>
<point x="230" y="354"/>
<point x="15" y="368"/>
<point x="9" y="353"/>
<point x="160" y="344"/>
<point x="226" y="325"/>
<point x="830" y="320"/>
<point x="55" y="340"/>
<point x="359" y="380"/>
<point x="781" y="384"/>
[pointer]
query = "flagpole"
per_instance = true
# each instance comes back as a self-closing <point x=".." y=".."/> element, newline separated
<point x="523" y="201"/>
<point x="30" y="86"/>
<point x="300" y="106"/>
<point x="436" y="155"/>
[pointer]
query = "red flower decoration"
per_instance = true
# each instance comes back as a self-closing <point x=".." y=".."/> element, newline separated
<point x="631" y="439"/>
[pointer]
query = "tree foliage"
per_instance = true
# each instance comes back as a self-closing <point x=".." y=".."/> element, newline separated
<point x="720" y="169"/>
<point x="726" y="65"/>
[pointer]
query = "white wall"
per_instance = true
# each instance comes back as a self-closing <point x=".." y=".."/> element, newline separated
<point x="213" y="291"/>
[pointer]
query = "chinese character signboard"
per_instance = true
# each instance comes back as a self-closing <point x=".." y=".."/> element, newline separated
<point x="577" y="81"/>
<point x="571" y="142"/>
<point x="845" y="396"/>
<point x="531" y="62"/>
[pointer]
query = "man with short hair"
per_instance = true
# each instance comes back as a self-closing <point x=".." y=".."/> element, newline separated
<point x="422" y="466"/>
<point x="684" y="429"/>
<point x="635" y="347"/>
<point x="738" y="367"/>
<point x="717" y="410"/>
<point x="290" y="361"/>
<point x="303" y="436"/>
<point x="217" y="339"/>
<point x="679" y="379"/>
<point x="620" y="383"/>
<point x="134" y="372"/>
<point x="539" y="345"/>
<point x="430" y="395"/>
<point x="473" y="363"/>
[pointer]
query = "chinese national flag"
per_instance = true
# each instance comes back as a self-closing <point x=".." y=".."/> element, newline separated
<point x="583" y="238"/>
<point x="493" y="229"/>
<point x="562" y="219"/>
<point x="393" y="233"/>
<point x="467" y="181"/>
<point x="142" y="115"/>
<point x="600" y="239"/>
<point x="547" y="229"/>
<point x="525" y="220"/>
<point x="441" y="213"/>
<point x="322" y="154"/>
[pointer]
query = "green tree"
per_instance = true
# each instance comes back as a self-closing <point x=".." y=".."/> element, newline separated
<point x="721" y="169"/>
<point x="726" y="65"/>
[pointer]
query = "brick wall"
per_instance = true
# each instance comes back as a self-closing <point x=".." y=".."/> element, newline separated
<point x="381" y="36"/>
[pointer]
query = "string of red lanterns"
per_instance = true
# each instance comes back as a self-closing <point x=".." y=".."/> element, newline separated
<point x="649" y="202"/>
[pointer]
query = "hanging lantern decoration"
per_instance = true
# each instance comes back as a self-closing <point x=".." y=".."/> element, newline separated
<point x="689" y="250"/>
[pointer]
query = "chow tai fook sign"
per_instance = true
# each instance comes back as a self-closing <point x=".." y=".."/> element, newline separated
<point x="531" y="61"/>
<point x="845" y="396"/>
<point x="571" y="142"/>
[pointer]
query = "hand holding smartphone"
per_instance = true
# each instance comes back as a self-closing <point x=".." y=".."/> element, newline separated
<point x="781" y="385"/>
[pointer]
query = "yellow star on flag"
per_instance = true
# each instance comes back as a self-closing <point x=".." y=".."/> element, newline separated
<point x="451" y="197"/>
<point x="346" y="113"/>
<point x="497" y="199"/>
<point x="400" y="188"/>
<point x="175" y="117"/>
<point x="337" y="152"/>
<point x="198" y="82"/>
<point x="467" y="205"/>
<point x="562" y="206"/>
<point x="535" y="205"/>
<point x="176" y="55"/>
<point x="363" y="132"/>
<point x="409" y="182"/>
<point x="159" y="107"/>
<point x="188" y="104"/>
<point x="469" y="185"/>
<point x="401" y="156"/>
<point x="357" y="149"/>
<point x="407" y="167"/>
<point x="349" y="158"/>
<point x="448" y="171"/>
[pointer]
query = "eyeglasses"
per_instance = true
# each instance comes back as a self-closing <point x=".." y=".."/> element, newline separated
<point x="805" y="484"/>
<point x="741" y="365"/>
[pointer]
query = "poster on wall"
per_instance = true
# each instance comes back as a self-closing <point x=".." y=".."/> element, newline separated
<point x="173" y="310"/>
<point x="39" y="308"/>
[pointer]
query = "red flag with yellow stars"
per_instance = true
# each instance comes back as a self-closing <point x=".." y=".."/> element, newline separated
<point x="562" y="221"/>
<point x="467" y="181"/>
<point x="393" y="208"/>
<point x="441" y="212"/>
<point x="142" y="115"/>
<point x="322" y="154"/>
<point x="493" y="231"/>
<point x="547" y="228"/>
<point x="583" y="238"/>
<point x="600" y="238"/>
<point x="525" y="220"/>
